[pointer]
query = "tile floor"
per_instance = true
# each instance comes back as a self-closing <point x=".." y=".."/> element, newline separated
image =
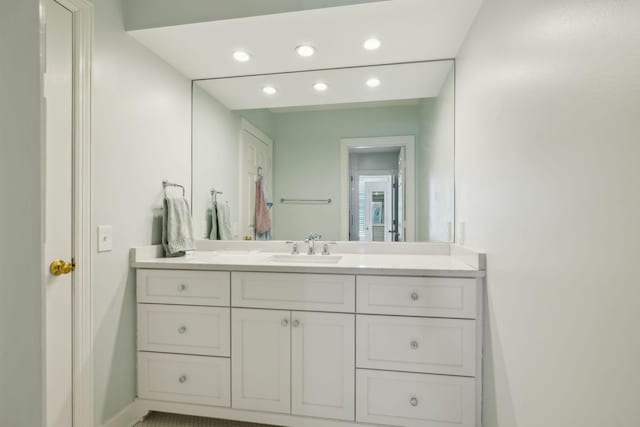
<point x="158" y="419"/>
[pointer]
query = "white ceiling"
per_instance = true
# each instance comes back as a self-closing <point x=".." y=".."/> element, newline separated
<point x="346" y="86"/>
<point x="410" y="30"/>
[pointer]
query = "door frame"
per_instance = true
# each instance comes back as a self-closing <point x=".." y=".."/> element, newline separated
<point x="82" y="301"/>
<point x="407" y="141"/>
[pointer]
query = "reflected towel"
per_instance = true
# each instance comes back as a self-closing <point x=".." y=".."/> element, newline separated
<point x="224" y="221"/>
<point x="177" y="229"/>
<point x="213" y="217"/>
<point x="263" y="221"/>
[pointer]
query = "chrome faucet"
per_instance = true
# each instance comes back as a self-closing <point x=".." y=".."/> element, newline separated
<point x="294" y="247"/>
<point x="311" y="241"/>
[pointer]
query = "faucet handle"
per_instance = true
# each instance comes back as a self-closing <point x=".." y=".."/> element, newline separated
<point x="294" y="248"/>
<point x="325" y="248"/>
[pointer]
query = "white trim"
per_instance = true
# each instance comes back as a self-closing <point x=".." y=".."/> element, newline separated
<point x="83" y="394"/>
<point x="128" y="417"/>
<point x="409" y="142"/>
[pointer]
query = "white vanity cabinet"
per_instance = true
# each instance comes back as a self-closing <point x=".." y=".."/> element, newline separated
<point x="313" y="349"/>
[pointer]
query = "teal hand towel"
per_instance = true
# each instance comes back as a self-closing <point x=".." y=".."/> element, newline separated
<point x="213" y="235"/>
<point x="224" y="222"/>
<point x="177" y="229"/>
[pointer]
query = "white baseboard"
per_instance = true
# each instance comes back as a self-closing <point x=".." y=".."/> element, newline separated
<point x="128" y="417"/>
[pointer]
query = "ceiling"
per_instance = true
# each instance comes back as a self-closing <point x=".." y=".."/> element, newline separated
<point x="346" y="86"/>
<point x="410" y="30"/>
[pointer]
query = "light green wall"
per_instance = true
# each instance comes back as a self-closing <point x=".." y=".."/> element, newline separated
<point x="21" y="292"/>
<point x="141" y="135"/>
<point x="435" y="160"/>
<point x="307" y="162"/>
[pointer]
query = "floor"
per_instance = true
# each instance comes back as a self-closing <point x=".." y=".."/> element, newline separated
<point x="157" y="419"/>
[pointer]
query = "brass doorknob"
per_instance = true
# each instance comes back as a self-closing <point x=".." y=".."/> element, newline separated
<point x="60" y="267"/>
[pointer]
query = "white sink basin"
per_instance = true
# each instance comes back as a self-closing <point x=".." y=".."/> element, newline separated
<point x="306" y="259"/>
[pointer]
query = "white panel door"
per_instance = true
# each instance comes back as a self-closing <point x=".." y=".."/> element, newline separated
<point x="323" y="365"/>
<point x="58" y="213"/>
<point x="261" y="352"/>
<point x="256" y="152"/>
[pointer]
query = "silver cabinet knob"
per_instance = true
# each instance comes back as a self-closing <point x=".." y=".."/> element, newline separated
<point x="182" y="287"/>
<point x="414" y="345"/>
<point x="284" y="323"/>
<point x="413" y="401"/>
<point x="182" y="379"/>
<point x="295" y="323"/>
<point x="414" y="296"/>
<point x="182" y="329"/>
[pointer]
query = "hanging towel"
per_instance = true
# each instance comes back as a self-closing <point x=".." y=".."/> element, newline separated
<point x="263" y="221"/>
<point x="224" y="221"/>
<point x="177" y="229"/>
<point x="213" y="234"/>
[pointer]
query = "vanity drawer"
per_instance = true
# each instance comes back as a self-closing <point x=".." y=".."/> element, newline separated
<point x="414" y="344"/>
<point x="183" y="287"/>
<point x="291" y="291"/>
<point x="418" y="296"/>
<point x="414" y="400"/>
<point x="189" y="379"/>
<point x="184" y="329"/>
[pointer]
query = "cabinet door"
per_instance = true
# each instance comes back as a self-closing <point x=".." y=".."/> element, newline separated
<point x="323" y="365"/>
<point x="261" y="360"/>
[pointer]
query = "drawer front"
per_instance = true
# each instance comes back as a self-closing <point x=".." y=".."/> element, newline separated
<point x="414" y="344"/>
<point x="184" y="329"/>
<point x="290" y="291"/>
<point x="189" y="379"/>
<point x="414" y="400"/>
<point x="418" y="296"/>
<point x="184" y="287"/>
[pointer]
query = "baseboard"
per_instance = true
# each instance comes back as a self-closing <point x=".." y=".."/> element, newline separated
<point x="128" y="417"/>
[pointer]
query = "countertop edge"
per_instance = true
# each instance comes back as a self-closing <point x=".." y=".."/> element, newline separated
<point x="150" y="264"/>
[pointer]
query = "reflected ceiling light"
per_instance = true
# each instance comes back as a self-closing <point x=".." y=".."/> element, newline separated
<point x="305" y="50"/>
<point x="241" y="56"/>
<point x="372" y="44"/>
<point x="269" y="90"/>
<point x="320" y="86"/>
<point x="373" y="82"/>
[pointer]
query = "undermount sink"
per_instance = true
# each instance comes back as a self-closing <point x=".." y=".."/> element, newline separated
<point x="306" y="259"/>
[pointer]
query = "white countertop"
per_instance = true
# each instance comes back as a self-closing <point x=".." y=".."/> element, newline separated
<point x="348" y="263"/>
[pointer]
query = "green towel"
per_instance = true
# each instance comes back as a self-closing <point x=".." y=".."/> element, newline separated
<point x="213" y="218"/>
<point x="177" y="229"/>
<point x="224" y="222"/>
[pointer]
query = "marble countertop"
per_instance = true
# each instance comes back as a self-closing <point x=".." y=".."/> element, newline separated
<point x="338" y="263"/>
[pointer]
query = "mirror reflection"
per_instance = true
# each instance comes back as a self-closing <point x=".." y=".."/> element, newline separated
<point x="361" y="154"/>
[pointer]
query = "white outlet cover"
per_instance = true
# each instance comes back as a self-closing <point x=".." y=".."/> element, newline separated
<point x="105" y="238"/>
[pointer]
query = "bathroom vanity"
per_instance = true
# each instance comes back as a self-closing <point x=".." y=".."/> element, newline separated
<point x="373" y="334"/>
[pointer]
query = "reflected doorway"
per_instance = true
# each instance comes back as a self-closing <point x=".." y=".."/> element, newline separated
<point x="376" y="176"/>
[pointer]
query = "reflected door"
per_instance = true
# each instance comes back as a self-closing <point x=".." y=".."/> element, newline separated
<point x="256" y="155"/>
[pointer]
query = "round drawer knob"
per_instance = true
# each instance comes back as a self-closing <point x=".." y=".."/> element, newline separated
<point x="413" y="401"/>
<point x="295" y="323"/>
<point x="414" y="345"/>
<point x="182" y="287"/>
<point x="182" y="329"/>
<point x="284" y="323"/>
<point x="414" y="296"/>
<point x="182" y="379"/>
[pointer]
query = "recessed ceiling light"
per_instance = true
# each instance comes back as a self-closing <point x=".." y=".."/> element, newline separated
<point x="305" y="50"/>
<point x="269" y="90"/>
<point x="373" y="82"/>
<point x="371" y="44"/>
<point x="320" y="86"/>
<point x="241" y="56"/>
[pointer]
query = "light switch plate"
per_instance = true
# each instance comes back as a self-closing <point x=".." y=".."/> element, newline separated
<point x="105" y="238"/>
